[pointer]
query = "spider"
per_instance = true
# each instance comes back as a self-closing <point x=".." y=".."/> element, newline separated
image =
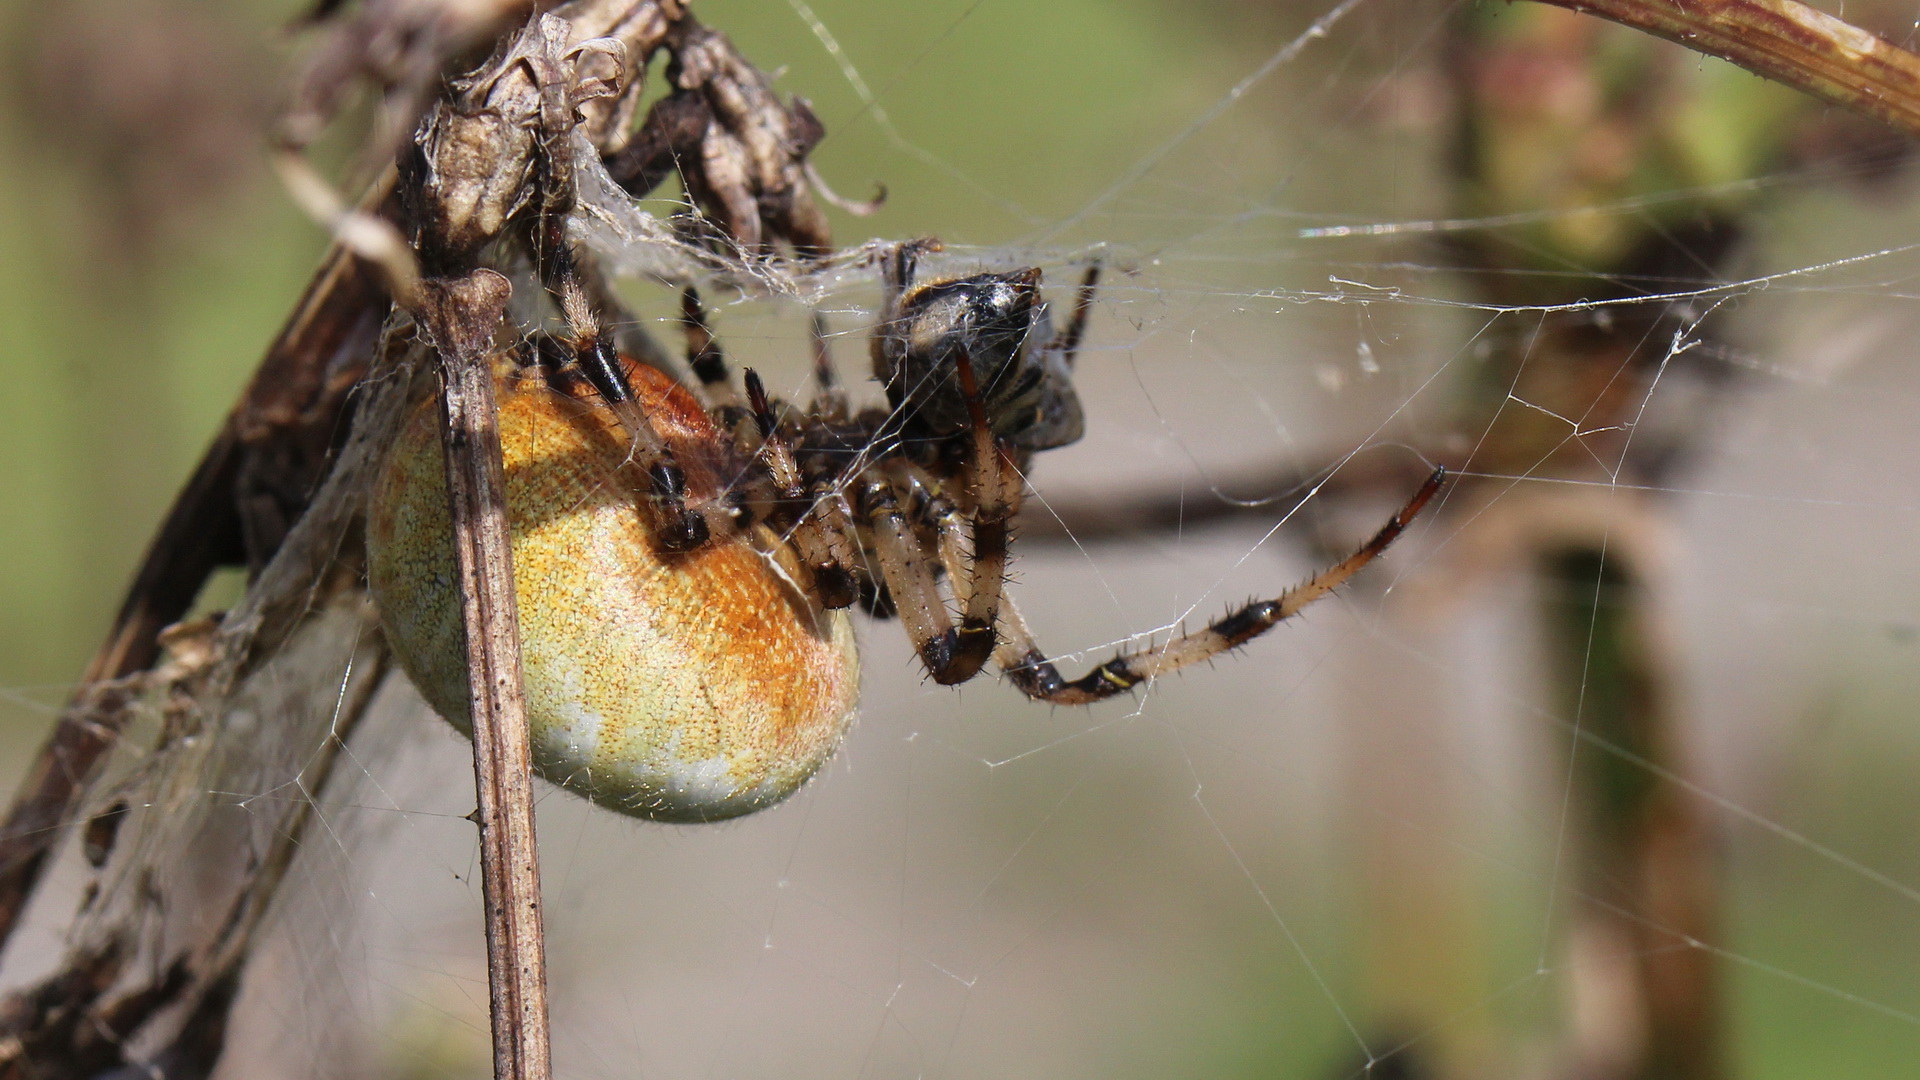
<point x="684" y="564"/>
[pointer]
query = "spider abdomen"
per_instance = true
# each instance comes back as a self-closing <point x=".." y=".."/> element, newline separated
<point x="677" y="687"/>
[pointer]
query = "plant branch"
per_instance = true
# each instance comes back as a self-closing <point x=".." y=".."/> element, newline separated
<point x="1788" y="42"/>
<point x="462" y="315"/>
<point x="288" y="414"/>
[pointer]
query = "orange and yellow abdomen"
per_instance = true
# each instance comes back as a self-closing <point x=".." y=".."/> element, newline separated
<point x="679" y="688"/>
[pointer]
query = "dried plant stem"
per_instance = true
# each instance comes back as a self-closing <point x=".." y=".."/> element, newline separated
<point x="1789" y="42"/>
<point x="502" y="755"/>
<point x="289" y="400"/>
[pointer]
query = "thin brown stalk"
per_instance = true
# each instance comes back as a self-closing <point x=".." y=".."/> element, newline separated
<point x="463" y="314"/>
<point x="1788" y="42"/>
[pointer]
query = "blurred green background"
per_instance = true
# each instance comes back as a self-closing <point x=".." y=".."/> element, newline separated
<point x="1095" y="912"/>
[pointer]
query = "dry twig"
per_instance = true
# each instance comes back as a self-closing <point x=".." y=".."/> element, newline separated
<point x="1803" y="47"/>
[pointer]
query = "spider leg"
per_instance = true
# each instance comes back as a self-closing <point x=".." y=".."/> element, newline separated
<point x="827" y="511"/>
<point x="811" y="536"/>
<point x="1067" y="343"/>
<point x="1029" y="669"/>
<point x="704" y="355"/>
<point x="897" y="266"/>
<point x="829" y="401"/>
<point x="678" y="525"/>
<point x="909" y="577"/>
<point x="753" y="438"/>
<point x="993" y="492"/>
<point x="973" y="549"/>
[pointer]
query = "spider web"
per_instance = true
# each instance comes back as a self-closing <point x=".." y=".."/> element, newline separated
<point x="1354" y="846"/>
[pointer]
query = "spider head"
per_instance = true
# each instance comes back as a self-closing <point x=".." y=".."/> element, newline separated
<point x="1001" y="324"/>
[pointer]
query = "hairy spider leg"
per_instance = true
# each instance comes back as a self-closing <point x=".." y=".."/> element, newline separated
<point x="909" y="576"/>
<point x="829" y="400"/>
<point x="704" y="355"/>
<point x="993" y="487"/>
<point x="708" y="362"/>
<point x="812" y="535"/>
<point x="1067" y="342"/>
<point x="828" y="510"/>
<point x="1029" y="669"/>
<point x="831" y="518"/>
<point x="677" y="525"/>
<point x="897" y="266"/>
<point x="977" y="567"/>
<point x="756" y="431"/>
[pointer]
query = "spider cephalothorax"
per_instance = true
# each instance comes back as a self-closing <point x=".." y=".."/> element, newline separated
<point x="1000" y="325"/>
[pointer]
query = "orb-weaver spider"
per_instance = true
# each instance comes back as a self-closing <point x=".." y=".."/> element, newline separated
<point x="687" y="653"/>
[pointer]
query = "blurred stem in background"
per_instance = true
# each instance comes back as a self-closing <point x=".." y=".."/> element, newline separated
<point x="1647" y="1001"/>
<point x="1557" y="114"/>
<point x="1602" y="167"/>
<point x="1561" y="113"/>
